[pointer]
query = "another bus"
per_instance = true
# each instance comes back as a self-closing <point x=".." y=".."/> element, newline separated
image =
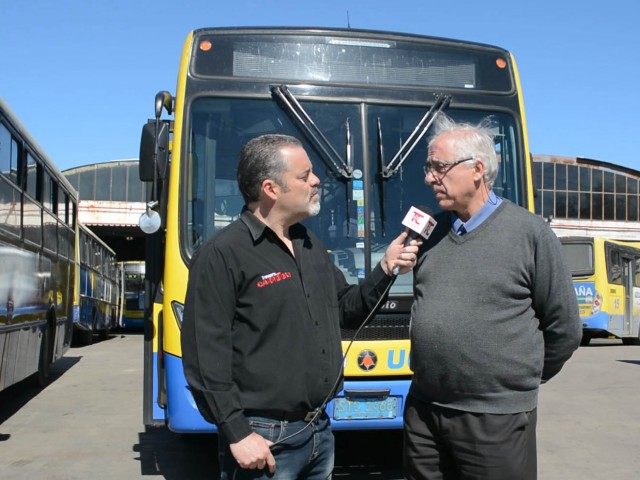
<point x="133" y="305"/>
<point x="38" y="209"/>
<point x="362" y="102"/>
<point x="606" y="277"/>
<point x="96" y="305"/>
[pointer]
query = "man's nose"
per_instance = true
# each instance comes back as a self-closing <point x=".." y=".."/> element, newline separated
<point x="430" y="178"/>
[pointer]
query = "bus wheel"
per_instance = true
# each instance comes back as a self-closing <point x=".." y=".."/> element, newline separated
<point x="41" y="377"/>
<point x="104" y="333"/>
<point x="85" y="337"/>
<point x="631" y="341"/>
<point x="586" y="339"/>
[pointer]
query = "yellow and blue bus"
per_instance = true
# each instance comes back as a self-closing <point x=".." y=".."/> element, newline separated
<point x="362" y="102"/>
<point x="97" y="289"/>
<point x="38" y="209"/>
<point x="133" y="302"/>
<point x="606" y="277"/>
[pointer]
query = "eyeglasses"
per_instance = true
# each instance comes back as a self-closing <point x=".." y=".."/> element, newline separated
<point x="436" y="166"/>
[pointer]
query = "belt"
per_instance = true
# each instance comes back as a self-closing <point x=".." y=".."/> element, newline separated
<point x="301" y="415"/>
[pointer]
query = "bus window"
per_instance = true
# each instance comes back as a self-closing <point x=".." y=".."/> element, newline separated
<point x="579" y="257"/>
<point x="32" y="176"/>
<point x="8" y="154"/>
<point x="614" y="267"/>
<point x="47" y="191"/>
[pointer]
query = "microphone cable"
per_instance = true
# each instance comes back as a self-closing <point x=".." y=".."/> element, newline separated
<point x="318" y="411"/>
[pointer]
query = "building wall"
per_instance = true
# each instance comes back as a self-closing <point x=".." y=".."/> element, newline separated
<point x="584" y="189"/>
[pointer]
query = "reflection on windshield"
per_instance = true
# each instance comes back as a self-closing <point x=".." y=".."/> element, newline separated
<point x="359" y="216"/>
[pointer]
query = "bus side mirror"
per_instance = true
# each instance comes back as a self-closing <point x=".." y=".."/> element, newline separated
<point x="154" y="151"/>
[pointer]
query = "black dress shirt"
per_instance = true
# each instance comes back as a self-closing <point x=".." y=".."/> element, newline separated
<point x="261" y="328"/>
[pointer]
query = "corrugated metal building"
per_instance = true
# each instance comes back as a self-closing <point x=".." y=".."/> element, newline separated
<point x="582" y="196"/>
<point x="112" y="198"/>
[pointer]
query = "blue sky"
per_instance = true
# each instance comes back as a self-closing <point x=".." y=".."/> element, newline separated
<point x="82" y="74"/>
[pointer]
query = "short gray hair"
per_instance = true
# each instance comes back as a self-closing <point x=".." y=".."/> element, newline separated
<point x="261" y="159"/>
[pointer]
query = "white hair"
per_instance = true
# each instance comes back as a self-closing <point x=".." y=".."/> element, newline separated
<point x="472" y="141"/>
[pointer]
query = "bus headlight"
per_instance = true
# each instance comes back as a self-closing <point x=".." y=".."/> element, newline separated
<point x="178" y="311"/>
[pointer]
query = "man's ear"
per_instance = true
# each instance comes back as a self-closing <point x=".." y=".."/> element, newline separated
<point x="479" y="169"/>
<point x="270" y="189"/>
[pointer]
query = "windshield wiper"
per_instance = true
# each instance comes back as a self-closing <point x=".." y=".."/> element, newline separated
<point x="381" y="167"/>
<point x="328" y="154"/>
<point x="390" y="170"/>
<point x="350" y="170"/>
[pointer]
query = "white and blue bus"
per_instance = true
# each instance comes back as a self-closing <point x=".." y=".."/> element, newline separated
<point x="38" y="209"/>
<point x="96" y="305"/>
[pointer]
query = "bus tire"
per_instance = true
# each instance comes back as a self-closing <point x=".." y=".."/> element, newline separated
<point x="85" y="337"/>
<point x="631" y="341"/>
<point x="104" y="333"/>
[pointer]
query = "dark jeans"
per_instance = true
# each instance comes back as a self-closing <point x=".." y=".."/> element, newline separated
<point x="445" y="444"/>
<point x="308" y="455"/>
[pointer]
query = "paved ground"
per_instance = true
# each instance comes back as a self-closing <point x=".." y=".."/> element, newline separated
<point x="87" y="424"/>
<point x="589" y="417"/>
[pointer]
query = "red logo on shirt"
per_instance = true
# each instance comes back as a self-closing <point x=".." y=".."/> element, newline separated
<point x="272" y="278"/>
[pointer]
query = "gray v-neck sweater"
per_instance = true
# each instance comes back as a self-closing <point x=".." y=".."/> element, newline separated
<point x="494" y="313"/>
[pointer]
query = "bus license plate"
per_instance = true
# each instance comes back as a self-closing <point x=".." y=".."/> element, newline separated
<point x="364" y="408"/>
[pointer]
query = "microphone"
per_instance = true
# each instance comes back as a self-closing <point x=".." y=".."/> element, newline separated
<point x="419" y="222"/>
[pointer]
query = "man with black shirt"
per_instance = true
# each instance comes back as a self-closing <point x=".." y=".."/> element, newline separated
<point x="261" y="330"/>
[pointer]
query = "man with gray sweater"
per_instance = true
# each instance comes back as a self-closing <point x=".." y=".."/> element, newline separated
<point x="494" y="315"/>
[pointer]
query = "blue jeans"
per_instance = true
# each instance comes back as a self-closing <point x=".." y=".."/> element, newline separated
<point x="307" y="455"/>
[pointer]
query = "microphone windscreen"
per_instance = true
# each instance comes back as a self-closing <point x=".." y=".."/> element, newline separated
<point x="419" y="221"/>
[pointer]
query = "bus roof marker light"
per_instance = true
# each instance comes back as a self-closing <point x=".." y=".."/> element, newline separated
<point x="501" y="62"/>
<point x="205" y="45"/>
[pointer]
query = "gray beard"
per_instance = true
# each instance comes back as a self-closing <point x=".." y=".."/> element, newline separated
<point x="314" y="209"/>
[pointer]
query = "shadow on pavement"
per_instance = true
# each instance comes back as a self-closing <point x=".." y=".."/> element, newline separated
<point x="359" y="455"/>
<point x="632" y="362"/>
<point x="177" y="457"/>
<point x="78" y="345"/>
<point x="13" y="398"/>
<point x="369" y="454"/>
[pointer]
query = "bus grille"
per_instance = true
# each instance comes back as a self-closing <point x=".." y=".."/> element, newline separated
<point x="383" y="327"/>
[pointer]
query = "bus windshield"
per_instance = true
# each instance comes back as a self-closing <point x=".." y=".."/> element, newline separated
<point x="361" y="209"/>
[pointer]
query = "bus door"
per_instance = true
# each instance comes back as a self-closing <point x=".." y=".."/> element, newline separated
<point x="628" y="276"/>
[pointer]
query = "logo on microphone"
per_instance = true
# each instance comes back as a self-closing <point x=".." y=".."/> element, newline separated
<point x="419" y="222"/>
<point x="417" y="218"/>
<point x="367" y="360"/>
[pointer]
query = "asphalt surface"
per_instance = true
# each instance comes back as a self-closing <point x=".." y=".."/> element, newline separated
<point x="87" y="424"/>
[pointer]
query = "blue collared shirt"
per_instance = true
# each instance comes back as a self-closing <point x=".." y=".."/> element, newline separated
<point x="480" y="216"/>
